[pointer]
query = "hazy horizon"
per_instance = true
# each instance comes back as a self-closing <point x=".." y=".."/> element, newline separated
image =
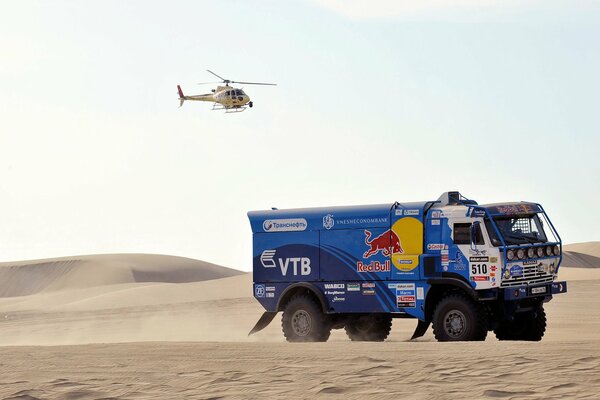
<point x="376" y="102"/>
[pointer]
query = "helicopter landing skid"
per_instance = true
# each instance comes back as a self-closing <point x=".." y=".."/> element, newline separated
<point x="234" y="109"/>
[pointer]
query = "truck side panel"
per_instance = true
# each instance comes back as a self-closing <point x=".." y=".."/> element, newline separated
<point x="286" y="256"/>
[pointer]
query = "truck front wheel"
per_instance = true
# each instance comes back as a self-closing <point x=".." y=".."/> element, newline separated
<point x="458" y="318"/>
<point x="529" y="326"/>
<point x="369" y="328"/>
<point x="303" y="320"/>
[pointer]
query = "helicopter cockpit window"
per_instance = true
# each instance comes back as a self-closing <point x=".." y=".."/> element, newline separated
<point x="227" y="93"/>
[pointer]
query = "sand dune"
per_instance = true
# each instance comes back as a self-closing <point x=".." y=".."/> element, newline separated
<point x="30" y="277"/>
<point x="158" y="300"/>
<point x="582" y="255"/>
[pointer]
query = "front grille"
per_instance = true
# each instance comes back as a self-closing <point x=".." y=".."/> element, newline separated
<point x="531" y="274"/>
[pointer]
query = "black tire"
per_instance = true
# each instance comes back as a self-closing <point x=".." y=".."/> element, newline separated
<point x="458" y="318"/>
<point x="304" y="321"/>
<point x="369" y="328"/>
<point x="529" y="326"/>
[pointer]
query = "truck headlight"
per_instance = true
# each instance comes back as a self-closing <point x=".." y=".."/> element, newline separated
<point x="548" y="251"/>
<point x="540" y="252"/>
<point x="556" y="250"/>
<point x="520" y="254"/>
<point x="530" y="252"/>
<point x="510" y="254"/>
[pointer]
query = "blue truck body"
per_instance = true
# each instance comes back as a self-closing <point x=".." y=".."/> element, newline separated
<point x="385" y="259"/>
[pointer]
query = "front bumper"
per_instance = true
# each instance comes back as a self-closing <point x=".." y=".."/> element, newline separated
<point x="540" y="290"/>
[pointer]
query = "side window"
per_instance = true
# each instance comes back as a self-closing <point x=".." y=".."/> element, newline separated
<point x="461" y="234"/>
<point x="227" y="93"/>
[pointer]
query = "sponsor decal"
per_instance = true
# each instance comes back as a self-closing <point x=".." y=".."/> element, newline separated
<point x="445" y="268"/>
<point x="493" y="268"/>
<point x="398" y="213"/>
<point x="411" y="212"/>
<point x="335" y="286"/>
<point x="478" y="252"/>
<point x="479" y="259"/>
<point x="353" y="287"/>
<point x="405" y="295"/>
<point x="480" y="278"/>
<point x="515" y="209"/>
<point x="270" y="294"/>
<point x="259" y="291"/>
<point x="270" y="288"/>
<point x="436" y="214"/>
<point x="285" y="225"/>
<point x="368" y="285"/>
<point x="368" y="292"/>
<point x="444" y="254"/>
<point x="337" y="299"/>
<point x="435" y="246"/>
<point x="300" y="265"/>
<point x="475" y="212"/>
<point x="388" y="243"/>
<point x="328" y="221"/>
<point x="420" y="293"/>
<point x="516" y="270"/>
<point x="373" y="266"/>
<point x="529" y="262"/>
<point x="435" y="222"/>
<point x="493" y="259"/>
<point x="359" y="221"/>
<point x="392" y="286"/>
<point x="334" y="292"/>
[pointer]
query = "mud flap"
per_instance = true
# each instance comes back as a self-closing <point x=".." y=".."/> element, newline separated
<point x="421" y="329"/>
<point x="262" y="323"/>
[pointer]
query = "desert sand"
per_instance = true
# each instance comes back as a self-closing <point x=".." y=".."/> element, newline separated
<point x="159" y="327"/>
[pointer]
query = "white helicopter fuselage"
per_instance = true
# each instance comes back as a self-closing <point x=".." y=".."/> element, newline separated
<point x="227" y="96"/>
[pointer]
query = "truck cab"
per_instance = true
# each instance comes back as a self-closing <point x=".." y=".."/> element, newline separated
<point x="463" y="267"/>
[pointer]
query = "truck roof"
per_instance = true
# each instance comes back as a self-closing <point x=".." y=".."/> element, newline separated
<point x="320" y="218"/>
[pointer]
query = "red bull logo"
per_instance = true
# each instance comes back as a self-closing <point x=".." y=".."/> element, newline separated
<point x="388" y="243"/>
<point x="374" y="266"/>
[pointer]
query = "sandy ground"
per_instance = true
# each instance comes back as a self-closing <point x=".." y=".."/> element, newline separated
<point x="187" y="339"/>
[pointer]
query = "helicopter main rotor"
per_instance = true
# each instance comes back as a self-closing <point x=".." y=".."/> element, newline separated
<point x="228" y="81"/>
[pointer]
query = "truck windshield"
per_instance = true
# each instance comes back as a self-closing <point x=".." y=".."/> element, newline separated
<point x="517" y="230"/>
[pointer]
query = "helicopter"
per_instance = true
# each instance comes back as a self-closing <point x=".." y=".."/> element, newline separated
<point x="225" y="97"/>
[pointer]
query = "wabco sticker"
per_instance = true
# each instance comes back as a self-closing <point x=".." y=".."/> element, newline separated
<point x="285" y="225"/>
<point x="353" y="287"/>
<point x="335" y="286"/>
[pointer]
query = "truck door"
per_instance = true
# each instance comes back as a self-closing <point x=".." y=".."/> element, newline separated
<point x="407" y="242"/>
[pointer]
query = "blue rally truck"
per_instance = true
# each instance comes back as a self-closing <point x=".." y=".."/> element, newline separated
<point x="464" y="268"/>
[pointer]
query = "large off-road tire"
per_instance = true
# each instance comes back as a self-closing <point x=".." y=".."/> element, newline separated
<point x="529" y="326"/>
<point x="369" y="328"/>
<point x="458" y="318"/>
<point x="304" y="321"/>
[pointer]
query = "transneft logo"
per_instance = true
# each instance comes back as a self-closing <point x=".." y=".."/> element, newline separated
<point x="285" y="225"/>
<point x="300" y="265"/>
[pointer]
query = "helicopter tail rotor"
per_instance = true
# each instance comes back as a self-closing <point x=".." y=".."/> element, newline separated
<point x="181" y="96"/>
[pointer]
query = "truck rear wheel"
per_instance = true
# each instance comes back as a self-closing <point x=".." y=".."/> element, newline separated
<point x="303" y="320"/>
<point x="458" y="318"/>
<point x="369" y="328"/>
<point x="529" y="326"/>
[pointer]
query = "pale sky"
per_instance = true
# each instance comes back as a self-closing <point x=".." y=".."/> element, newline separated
<point x="377" y="101"/>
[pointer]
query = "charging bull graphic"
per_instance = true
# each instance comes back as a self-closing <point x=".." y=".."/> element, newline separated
<point x="388" y="243"/>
